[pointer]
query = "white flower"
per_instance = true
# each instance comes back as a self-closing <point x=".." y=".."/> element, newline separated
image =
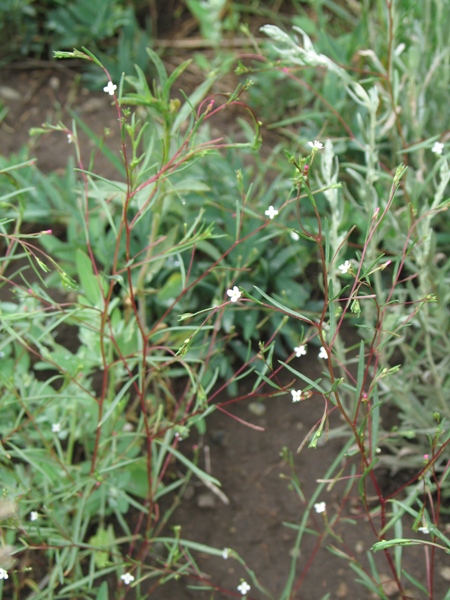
<point x="316" y="145"/>
<point x="127" y="578"/>
<point x="271" y="212"/>
<point x="323" y="353"/>
<point x="3" y="574"/>
<point x="234" y="294"/>
<point x="300" y="350"/>
<point x="320" y="507"/>
<point x="294" y="236"/>
<point x="296" y="395"/>
<point x="110" y="88"/>
<point x="34" y="516"/>
<point x="225" y="553"/>
<point x="243" y="587"/>
<point x="424" y="530"/>
<point x="69" y="138"/>
<point x="437" y="148"/>
<point x="345" y="268"/>
<point x="56" y="427"/>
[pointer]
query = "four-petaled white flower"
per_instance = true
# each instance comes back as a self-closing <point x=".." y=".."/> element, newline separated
<point x="243" y="587"/>
<point x="300" y="350"/>
<point x="110" y="88"/>
<point x="271" y="212"/>
<point x="323" y="353"/>
<point x="316" y="145"/>
<point x="320" y="507"/>
<point x="437" y="148"/>
<point x="3" y="574"/>
<point x="424" y="529"/>
<point x="34" y="516"/>
<point x="234" y="294"/>
<point x="296" y="395"/>
<point x="56" y="427"/>
<point x="345" y="268"/>
<point x="127" y="578"/>
<point x="225" y="553"/>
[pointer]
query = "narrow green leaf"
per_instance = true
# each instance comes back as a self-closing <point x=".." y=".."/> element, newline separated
<point x="318" y="432"/>
<point x="160" y="68"/>
<point x="384" y="544"/>
<point x="314" y="384"/>
<point x="112" y="407"/>
<point x="282" y="306"/>
<point x="187" y="463"/>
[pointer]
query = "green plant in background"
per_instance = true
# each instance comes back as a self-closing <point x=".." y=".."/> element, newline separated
<point x="214" y="16"/>
<point x="18" y="22"/>
<point x="29" y="26"/>
<point x="109" y="27"/>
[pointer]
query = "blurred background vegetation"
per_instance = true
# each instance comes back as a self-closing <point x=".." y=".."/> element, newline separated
<point x="35" y="28"/>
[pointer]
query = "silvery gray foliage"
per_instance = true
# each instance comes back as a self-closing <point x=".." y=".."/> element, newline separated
<point x="306" y="55"/>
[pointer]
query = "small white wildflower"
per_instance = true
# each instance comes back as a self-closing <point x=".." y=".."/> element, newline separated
<point x="234" y="294"/>
<point x="296" y="395"/>
<point x="127" y="578"/>
<point x="69" y="138"/>
<point x="271" y="212"/>
<point x="3" y="574"/>
<point x="320" y="507"/>
<point x="56" y="427"/>
<point x="34" y="516"/>
<point x="323" y="353"/>
<point x="424" y="530"/>
<point x="316" y="145"/>
<point x="110" y="88"/>
<point x="225" y="553"/>
<point x="437" y="148"/>
<point x="294" y="236"/>
<point x="243" y="587"/>
<point x="345" y="268"/>
<point x="300" y="350"/>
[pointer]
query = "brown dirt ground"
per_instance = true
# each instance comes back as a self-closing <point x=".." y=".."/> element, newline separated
<point x="247" y="462"/>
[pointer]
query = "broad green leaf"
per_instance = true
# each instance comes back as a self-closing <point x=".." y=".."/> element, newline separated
<point x="104" y="538"/>
<point x="89" y="281"/>
<point x="170" y="290"/>
<point x="102" y="593"/>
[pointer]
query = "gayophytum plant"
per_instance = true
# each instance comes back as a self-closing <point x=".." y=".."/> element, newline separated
<point x="107" y="361"/>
